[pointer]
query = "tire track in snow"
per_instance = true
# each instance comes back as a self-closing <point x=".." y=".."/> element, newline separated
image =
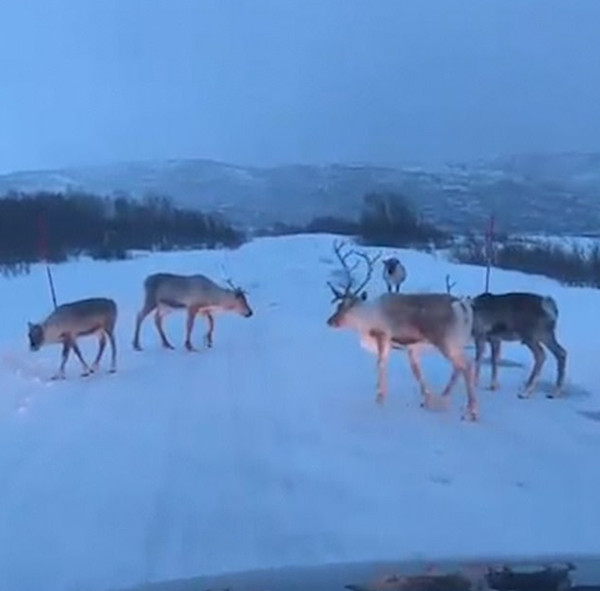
<point x="166" y="522"/>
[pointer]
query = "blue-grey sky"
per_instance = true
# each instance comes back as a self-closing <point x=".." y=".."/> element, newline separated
<point x="278" y="81"/>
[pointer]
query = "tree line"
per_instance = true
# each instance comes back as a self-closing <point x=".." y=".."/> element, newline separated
<point x="386" y="218"/>
<point x="56" y="226"/>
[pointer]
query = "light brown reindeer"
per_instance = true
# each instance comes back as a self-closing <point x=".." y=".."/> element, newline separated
<point x="197" y="294"/>
<point x="91" y="316"/>
<point x="406" y="321"/>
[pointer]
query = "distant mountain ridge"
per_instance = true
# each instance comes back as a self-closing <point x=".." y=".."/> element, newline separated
<point x="555" y="193"/>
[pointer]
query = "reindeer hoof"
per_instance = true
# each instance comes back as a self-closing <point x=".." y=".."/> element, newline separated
<point x="58" y="376"/>
<point x="427" y="402"/>
<point x="112" y="370"/>
<point x="189" y="347"/>
<point x="137" y="347"/>
<point x="470" y="414"/>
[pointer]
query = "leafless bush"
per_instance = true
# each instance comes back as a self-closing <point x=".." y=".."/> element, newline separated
<point x="570" y="264"/>
<point x="390" y="219"/>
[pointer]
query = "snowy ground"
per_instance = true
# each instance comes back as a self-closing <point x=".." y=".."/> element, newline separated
<point x="269" y="450"/>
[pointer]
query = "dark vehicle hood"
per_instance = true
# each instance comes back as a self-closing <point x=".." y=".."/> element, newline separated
<point x="377" y="576"/>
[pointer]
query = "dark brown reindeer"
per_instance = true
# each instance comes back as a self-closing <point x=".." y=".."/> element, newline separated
<point x="197" y="294"/>
<point x="405" y="321"/>
<point x="92" y="316"/>
<point x="518" y="316"/>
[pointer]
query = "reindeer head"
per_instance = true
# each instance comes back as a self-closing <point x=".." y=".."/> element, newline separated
<point x="239" y="303"/>
<point x="350" y="296"/>
<point x="390" y="265"/>
<point x="35" y="333"/>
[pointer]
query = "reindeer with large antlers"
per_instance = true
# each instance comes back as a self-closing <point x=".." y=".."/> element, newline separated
<point x="405" y="321"/>
<point x="165" y="292"/>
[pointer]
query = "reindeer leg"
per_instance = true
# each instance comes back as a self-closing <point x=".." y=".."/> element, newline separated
<point x="383" y="352"/>
<point x="461" y="366"/>
<point x="113" y="352"/>
<point x="561" y="362"/>
<point x="415" y="366"/>
<point x="472" y="410"/>
<point x="101" y="347"/>
<point x="480" y="343"/>
<point x="496" y="347"/>
<point x="211" y="327"/>
<point x="60" y="375"/>
<point x="142" y="314"/>
<point x="451" y="382"/>
<point x="539" y="357"/>
<point x="465" y="368"/>
<point x="87" y="370"/>
<point x="189" y="326"/>
<point x="158" y="317"/>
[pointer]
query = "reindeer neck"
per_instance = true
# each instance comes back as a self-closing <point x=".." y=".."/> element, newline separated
<point x="364" y="316"/>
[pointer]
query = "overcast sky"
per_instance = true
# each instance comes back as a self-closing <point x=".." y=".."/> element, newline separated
<point x="279" y="81"/>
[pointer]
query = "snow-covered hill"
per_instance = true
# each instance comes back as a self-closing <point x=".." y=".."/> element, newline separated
<point x="551" y="193"/>
<point x="269" y="450"/>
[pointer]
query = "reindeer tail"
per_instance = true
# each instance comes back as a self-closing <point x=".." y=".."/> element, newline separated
<point x="550" y="308"/>
<point x="463" y="312"/>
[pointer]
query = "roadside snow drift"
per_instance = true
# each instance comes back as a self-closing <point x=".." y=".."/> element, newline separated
<point x="269" y="450"/>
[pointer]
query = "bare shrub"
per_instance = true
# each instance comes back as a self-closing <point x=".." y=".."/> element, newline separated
<point x="570" y="264"/>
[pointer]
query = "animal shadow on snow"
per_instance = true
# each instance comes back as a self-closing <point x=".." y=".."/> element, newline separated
<point x="570" y="390"/>
<point x="503" y="362"/>
<point x="593" y="415"/>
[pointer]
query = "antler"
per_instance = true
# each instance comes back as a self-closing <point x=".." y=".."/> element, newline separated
<point x="229" y="282"/>
<point x="348" y="288"/>
<point x="449" y="284"/>
<point x="370" y="262"/>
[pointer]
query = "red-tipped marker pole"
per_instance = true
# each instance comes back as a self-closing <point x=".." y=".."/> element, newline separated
<point x="489" y="248"/>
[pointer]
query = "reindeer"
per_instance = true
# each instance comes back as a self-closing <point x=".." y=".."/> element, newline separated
<point x="165" y="292"/>
<point x="394" y="273"/>
<point x="76" y="319"/>
<point x="410" y="321"/>
<point x="518" y="316"/>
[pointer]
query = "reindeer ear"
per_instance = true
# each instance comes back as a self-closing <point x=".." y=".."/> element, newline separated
<point x="336" y="293"/>
<point x="29" y="325"/>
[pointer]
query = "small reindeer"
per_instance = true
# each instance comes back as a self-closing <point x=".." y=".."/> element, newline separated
<point x="394" y="274"/>
<point x="76" y="319"/>
<point x="517" y="316"/>
<point x="410" y="321"/>
<point x="197" y="294"/>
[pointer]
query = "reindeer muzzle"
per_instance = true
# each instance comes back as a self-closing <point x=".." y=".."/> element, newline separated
<point x="333" y="321"/>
